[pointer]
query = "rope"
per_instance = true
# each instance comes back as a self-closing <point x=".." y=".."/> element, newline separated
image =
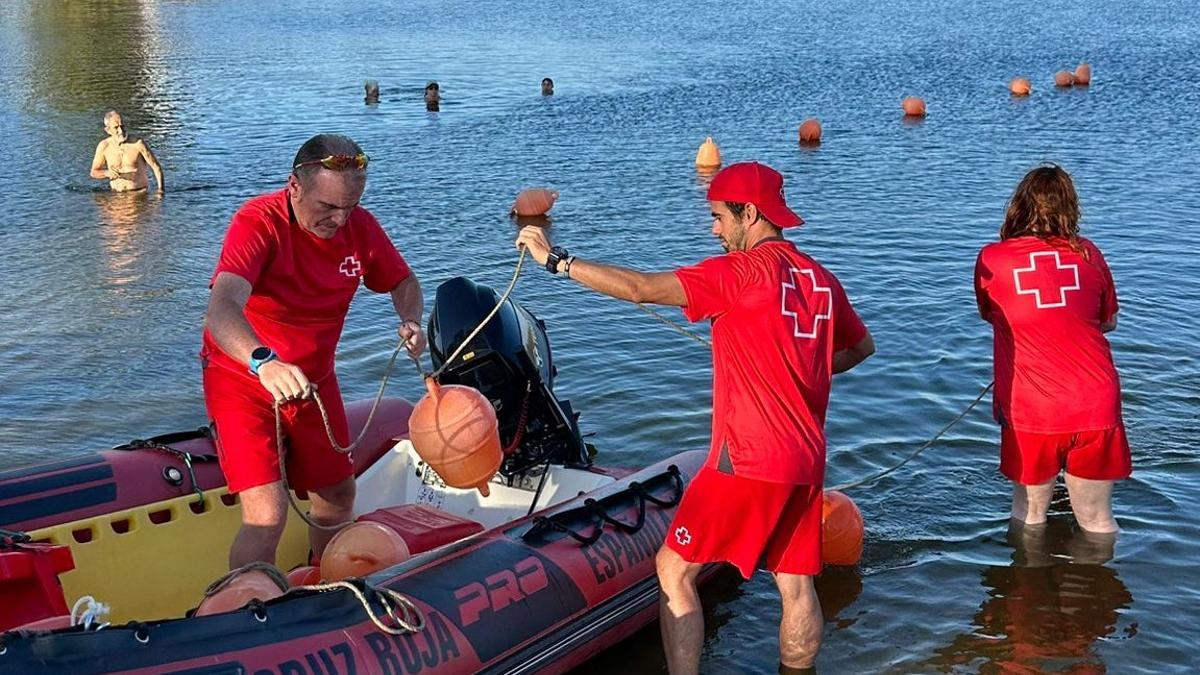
<point x="881" y="474"/>
<point x="413" y="621"/>
<point x="94" y="612"/>
<point x="266" y="568"/>
<point x="674" y="326"/>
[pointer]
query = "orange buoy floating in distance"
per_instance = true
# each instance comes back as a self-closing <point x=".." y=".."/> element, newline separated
<point x="913" y="106"/>
<point x="244" y="586"/>
<point x="1019" y="86"/>
<point x="1083" y="75"/>
<point x="709" y="155"/>
<point x="1064" y="78"/>
<point x="360" y="549"/>
<point x="841" y="530"/>
<point x="534" y="202"/>
<point x="454" y="429"/>
<point x="810" y="131"/>
<point x="304" y="576"/>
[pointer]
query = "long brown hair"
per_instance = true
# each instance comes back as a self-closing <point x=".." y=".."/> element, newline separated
<point x="1044" y="205"/>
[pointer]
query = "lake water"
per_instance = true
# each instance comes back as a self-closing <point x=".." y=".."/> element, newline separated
<point x="102" y="295"/>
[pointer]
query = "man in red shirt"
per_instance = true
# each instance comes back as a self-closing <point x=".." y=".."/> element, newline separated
<point x="781" y="327"/>
<point x="291" y="263"/>
<point x="1050" y="298"/>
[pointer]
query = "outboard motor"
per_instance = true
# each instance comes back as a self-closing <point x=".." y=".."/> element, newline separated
<point x="509" y="362"/>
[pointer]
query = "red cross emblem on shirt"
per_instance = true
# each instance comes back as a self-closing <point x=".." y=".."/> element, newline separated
<point x="807" y="312"/>
<point x="350" y="266"/>
<point x="1047" y="279"/>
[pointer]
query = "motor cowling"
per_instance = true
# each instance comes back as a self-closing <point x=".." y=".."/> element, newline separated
<point x="509" y="361"/>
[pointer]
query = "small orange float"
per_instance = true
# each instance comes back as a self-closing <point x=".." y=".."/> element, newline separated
<point x="453" y="428"/>
<point x="1019" y="86"/>
<point x="534" y="202"/>
<point x="307" y="575"/>
<point x="240" y="588"/>
<point x="810" y="131"/>
<point x="1083" y="75"/>
<point x="913" y="106"/>
<point x="709" y="155"/>
<point x="360" y="549"/>
<point x="1063" y="78"/>
<point x="841" y="530"/>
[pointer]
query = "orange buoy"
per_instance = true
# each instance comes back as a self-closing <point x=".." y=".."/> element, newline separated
<point x="238" y="590"/>
<point x="534" y="202"/>
<point x="709" y="155"/>
<point x="304" y="576"/>
<point x="913" y="106"/>
<point x="841" y="530"/>
<point x="360" y="549"/>
<point x="1063" y="78"/>
<point x="453" y="428"/>
<point x="1083" y="75"/>
<point x="1019" y="86"/>
<point x="810" y="131"/>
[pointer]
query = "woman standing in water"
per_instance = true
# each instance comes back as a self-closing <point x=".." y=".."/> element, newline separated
<point x="1050" y="298"/>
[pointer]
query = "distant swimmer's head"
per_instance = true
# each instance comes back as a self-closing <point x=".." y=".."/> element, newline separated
<point x="433" y="92"/>
<point x="327" y="181"/>
<point x="371" y="89"/>
<point x="114" y="126"/>
<point x="547" y="86"/>
<point x="748" y="205"/>
<point x="1044" y="205"/>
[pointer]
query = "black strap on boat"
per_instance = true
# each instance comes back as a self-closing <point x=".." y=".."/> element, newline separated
<point x="595" y="512"/>
<point x="11" y="538"/>
<point x="163" y="443"/>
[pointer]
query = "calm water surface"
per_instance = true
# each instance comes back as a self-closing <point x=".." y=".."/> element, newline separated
<point x="102" y="295"/>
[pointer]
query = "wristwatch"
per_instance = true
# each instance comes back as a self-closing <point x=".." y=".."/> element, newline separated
<point x="557" y="254"/>
<point x="260" y="356"/>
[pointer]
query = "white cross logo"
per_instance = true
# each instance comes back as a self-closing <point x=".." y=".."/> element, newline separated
<point x="683" y="536"/>
<point x="350" y="266"/>
<point x="1054" y="281"/>
<point x="817" y="317"/>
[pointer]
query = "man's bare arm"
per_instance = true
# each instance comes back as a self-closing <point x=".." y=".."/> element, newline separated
<point x="153" y="162"/>
<point x="848" y="358"/>
<point x="1109" y="325"/>
<point x="99" y="163"/>
<point x="410" y="307"/>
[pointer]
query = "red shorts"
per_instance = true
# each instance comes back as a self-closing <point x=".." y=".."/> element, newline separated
<point x="745" y="522"/>
<point x="1031" y="458"/>
<point x="244" y="414"/>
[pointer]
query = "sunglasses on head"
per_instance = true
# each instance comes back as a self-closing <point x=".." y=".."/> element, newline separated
<point x="338" y="162"/>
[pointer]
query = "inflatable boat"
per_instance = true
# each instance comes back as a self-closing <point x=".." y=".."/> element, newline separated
<point x="555" y="565"/>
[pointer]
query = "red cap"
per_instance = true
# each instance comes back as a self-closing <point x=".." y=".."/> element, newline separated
<point x="756" y="184"/>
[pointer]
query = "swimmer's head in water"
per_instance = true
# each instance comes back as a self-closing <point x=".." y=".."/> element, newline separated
<point x="371" y="89"/>
<point x="547" y="86"/>
<point x="432" y="92"/>
<point x="327" y="181"/>
<point x="115" y="126"/>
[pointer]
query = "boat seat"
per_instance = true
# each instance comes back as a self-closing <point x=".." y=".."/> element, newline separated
<point x="423" y="528"/>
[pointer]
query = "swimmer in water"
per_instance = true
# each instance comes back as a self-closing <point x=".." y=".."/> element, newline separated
<point x="123" y="160"/>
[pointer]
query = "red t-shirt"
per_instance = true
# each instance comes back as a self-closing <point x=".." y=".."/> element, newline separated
<point x="302" y="285"/>
<point x="777" y="319"/>
<point x="1045" y="301"/>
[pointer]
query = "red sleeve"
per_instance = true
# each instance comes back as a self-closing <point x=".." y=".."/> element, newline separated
<point x="385" y="268"/>
<point x="848" y="328"/>
<point x="1108" y="296"/>
<point x="249" y="244"/>
<point x="711" y="287"/>
<point x="983" y="277"/>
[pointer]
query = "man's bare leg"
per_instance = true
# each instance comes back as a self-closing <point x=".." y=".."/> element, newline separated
<point x="679" y="611"/>
<point x="264" y="514"/>
<point x="333" y="505"/>
<point x="1030" y="502"/>
<point x="1091" y="500"/>
<point x="801" y="626"/>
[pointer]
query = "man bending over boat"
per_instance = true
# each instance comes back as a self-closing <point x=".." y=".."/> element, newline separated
<point x="781" y="327"/>
<point x="124" y="160"/>
<point x="291" y="263"/>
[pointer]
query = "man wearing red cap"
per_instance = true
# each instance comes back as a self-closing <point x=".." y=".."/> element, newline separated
<point x="781" y="327"/>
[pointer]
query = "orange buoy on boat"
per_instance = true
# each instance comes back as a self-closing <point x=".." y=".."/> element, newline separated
<point x="841" y="530"/>
<point x="913" y="106"/>
<point x="360" y="549"/>
<point x="1083" y="75"/>
<point x="709" y="155"/>
<point x="454" y="429"/>
<point x="810" y="131"/>
<point x="534" y="202"/>
<point x="237" y="589"/>
<point x="304" y="576"/>
<point x="1019" y="86"/>
<point x="1064" y="78"/>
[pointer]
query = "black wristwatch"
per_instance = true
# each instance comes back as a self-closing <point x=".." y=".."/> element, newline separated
<point x="557" y="254"/>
